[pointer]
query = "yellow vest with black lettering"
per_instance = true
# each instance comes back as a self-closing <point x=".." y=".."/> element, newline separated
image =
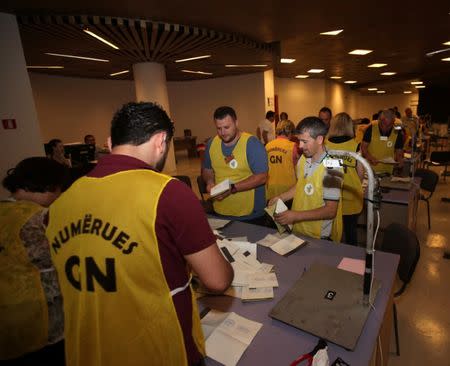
<point x="117" y="303"/>
<point x="281" y="167"/>
<point x="23" y="306"/>
<point x="381" y="149"/>
<point x="309" y="196"/>
<point x="240" y="203"/>
<point x="352" y="192"/>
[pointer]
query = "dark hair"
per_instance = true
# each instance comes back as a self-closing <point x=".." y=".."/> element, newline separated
<point x="136" y="123"/>
<point x="222" y="112"/>
<point x="270" y="114"/>
<point x="375" y="116"/>
<point x="52" y="144"/>
<point x="313" y="125"/>
<point x="36" y="174"/>
<point x="87" y="136"/>
<point x="365" y="121"/>
<point x="285" y="115"/>
<point x="326" y="109"/>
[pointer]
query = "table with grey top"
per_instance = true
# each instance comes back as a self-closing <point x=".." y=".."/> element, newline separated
<point x="279" y="344"/>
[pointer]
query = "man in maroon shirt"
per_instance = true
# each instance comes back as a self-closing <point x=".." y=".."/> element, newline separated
<point x="140" y="136"/>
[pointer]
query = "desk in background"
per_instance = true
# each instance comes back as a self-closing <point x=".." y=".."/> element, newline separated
<point x="279" y="344"/>
<point x="188" y="143"/>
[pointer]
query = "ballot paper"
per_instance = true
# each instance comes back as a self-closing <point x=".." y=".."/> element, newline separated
<point x="256" y="294"/>
<point x="271" y="239"/>
<point x="259" y="280"/>
<point x="220" y="188"/>
<point x="352" y="265"/>
<point x="287" y="245"/>
<point x="277" y="208"/>
<point x="388" y="160"/>
<point x="227" y="336"/>
<point x="216" y="224"/>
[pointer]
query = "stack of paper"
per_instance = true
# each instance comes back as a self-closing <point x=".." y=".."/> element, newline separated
<point x="277" y="208"/>
<point x="283" y="245"/>
<point x="227" y="336"/>
<point x="220" y="188"/>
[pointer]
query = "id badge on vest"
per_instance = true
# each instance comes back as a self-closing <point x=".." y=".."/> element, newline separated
<point x="383" y="138"/>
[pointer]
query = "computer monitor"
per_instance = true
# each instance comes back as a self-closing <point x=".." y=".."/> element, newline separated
<point x="80" y="153"/>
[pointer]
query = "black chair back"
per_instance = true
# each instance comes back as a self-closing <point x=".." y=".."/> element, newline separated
<point x="440" y="157"/>
<point x="185" y="179"/>
<point x="429" y="179"/>
<point x="398" y="239"/>
<point x="201" y="186"/>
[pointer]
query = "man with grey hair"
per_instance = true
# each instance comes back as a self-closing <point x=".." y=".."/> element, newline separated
<point x="316" y="209"/>
<point x="382" y="144"/>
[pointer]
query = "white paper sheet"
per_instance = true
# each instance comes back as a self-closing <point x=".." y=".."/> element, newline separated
<point x="287" y="244"/>
<point x="259" y="279"/>
<point x="254" y="294"/>
<point x="216" y="224"/>
<point x="220" y="188"/>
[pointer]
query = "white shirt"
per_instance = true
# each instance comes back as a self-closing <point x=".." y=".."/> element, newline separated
<point x="269" y="127"/>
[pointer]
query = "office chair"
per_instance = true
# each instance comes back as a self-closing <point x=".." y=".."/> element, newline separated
<point x="398" y="239"/>
<point x="428" y="184"/>
<point x="439" y="158"/>
<point x="184" y="179"/>
<point x="206" y="203"/>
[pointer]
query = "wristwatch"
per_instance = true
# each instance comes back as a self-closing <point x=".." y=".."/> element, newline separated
<point x="233" y="189"/>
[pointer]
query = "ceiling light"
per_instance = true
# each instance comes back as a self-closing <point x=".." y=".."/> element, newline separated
<point x="360" y="52"/>
<point x="100" y="38"/>
<point x="256" y="65"/>
<point x="381" y="91"/>
<point x="315" y="71"/>
<point x="372" y="89"/>
<point x="377" y="65"/>
<point x="119" y="73"/>
<point x="429" y="54"/>
<point x="302" y="76"/>
<point x="193" y="58"/>
<point x="350" y="82"/>
<point x="446" y="43"/>
<point x="332" y="33"/>
<point x="407" y="92"/>
<point x="77" y="57"/>
<point x="287" y="60"/>
<point x="388" y="73"/>
<point x="336" y="77"/>
<point x="446" y="59"/>
<point x="420" y="86"/>
<point x="45" y="67"/>
<point x="416" y="82"/>
<point x="197" y="72"/>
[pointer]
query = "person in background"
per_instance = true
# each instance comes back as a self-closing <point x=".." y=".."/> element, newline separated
<point x="31" y="317"/>
<point x="90" y="140"/>
<point x="283" y="117"/>
<point x="325" y="115"/>
<point x="57" y="152"/>
<point x="266" y="128"/>
<point x="382" y="141"/>
<point x="240" y="157"/>
<point x="316" y="210"/>
<point x="360" y="128"/>
<point x="126" y="279"/>
<point x="341" y="137"/>
<point x="282" y="157"/>
<point x="410" y="123"/>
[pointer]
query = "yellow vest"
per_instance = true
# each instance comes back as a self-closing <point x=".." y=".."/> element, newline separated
<point x="240" y="203"/>
<point x="118" y="306"/>
<point x="23" y="306"/>
<point x="281" y="167"/>
<point x="352" y="193"/>
<point x="381" y="149"/>
<point x="309" y="196"/>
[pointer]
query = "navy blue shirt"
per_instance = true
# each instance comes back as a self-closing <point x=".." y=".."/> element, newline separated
<point x="257" y="160"/>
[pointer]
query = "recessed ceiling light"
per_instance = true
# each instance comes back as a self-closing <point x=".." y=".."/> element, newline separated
<point x="45" y="67"/>
<point x="372" y="89"/>
<point x="101" y="39"/>
<point x="377" y="65"/>
<point x="446" y="43"/>
<point x="197" y="72"/>
<point x="388" y="73"/>
<point x="360" y="52"/>
<point x="332" y="33"/>
<point x="77" y="57"/>
<point x="416" y="82"/>
<point x="256" y="65"/>
<point x="446" y="59"/>
<point x="193" y="58"/>
<point x="119" y="73"/>
<point x="287" y="60"/>
<point x="350" y="82"/>
<point x="336" y="77"/>
<point x="420" y="86"/>
<point x="381" y="91"/>
<point x="407" y="92"/>
<point x="315" y="71"/>
<point x="302" y="76"/>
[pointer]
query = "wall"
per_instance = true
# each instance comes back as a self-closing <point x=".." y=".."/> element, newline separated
<point x="369" y="104"/>
<point x="16" y="102"/>
<point x="340" y="98"/>
<point x="69" y="108"/>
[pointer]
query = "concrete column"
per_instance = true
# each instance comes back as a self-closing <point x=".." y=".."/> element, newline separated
<point x="16" y="102"/>
<point x="151" y="86"/>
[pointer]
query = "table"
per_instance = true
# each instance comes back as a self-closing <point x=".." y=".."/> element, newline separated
<point x="279" y="344"/>
<point x="188" y="143"/>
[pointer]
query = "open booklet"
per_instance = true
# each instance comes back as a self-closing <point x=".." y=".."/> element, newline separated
<point x="220" y="188"/>
<point x="277" y="208"/>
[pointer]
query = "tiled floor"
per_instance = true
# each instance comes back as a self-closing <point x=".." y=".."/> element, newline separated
<point x="424" y="308"/>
